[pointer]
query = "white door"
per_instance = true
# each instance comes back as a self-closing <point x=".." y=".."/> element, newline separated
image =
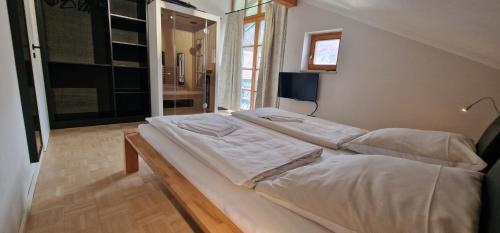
<point x="155" y="66"/>
<point x="36" y="63"/>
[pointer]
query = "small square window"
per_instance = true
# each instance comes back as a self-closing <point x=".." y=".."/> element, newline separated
<point x="324" y="51"/>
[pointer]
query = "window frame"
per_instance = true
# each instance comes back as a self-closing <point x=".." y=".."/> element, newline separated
<point x="312" y="49"/>
<point x="257" y="19"/>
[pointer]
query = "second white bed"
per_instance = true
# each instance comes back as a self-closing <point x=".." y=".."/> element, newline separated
<point x="249" y="211"/>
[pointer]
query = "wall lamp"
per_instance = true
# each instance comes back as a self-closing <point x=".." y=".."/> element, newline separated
<point x="480" y="100"/>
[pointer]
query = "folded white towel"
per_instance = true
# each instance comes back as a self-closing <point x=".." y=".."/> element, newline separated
<point x="207" y="125"/>
<point x="279" y="118"/>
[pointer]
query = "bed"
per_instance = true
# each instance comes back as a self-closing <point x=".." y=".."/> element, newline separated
<point x="218" y="206"/>
<point x="310" y="129"/>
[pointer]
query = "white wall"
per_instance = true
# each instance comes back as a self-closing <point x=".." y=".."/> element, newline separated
<point x="385" y="80"/>
<point x="15" y="168"/>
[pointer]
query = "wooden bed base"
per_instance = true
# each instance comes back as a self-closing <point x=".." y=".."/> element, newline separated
<point x="206" y="215"/>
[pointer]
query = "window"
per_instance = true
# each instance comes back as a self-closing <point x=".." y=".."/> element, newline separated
<point x="253" y="36"/>
<point x="324" y="51"/>
<point x="254" y="6"/>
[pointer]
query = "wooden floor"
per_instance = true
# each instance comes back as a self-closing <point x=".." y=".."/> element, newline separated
<point x="82" y="187"/>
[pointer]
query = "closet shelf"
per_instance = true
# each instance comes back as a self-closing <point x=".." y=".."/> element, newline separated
<point x="129" y="92"/>
<point x="130" y="67"/>
<point x="128" y="23"/>
<point x="79" y="63"/>
<point x="129" y="44"/>
<point x="127" y="18"/>
<point x="125" y="89"/>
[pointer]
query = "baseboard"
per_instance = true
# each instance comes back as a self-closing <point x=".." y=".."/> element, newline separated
<point x="22" y="229"/>
<point x="29" y="198"/>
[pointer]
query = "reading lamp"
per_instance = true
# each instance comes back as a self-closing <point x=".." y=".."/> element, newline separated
<point x="480" y="100"/>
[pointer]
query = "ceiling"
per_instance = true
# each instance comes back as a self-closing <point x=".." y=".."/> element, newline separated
<point x="469" y="28"/>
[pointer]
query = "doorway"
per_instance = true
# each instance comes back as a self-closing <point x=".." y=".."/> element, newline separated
<point x="183" y="56"/>
<point x="30" y="75"/>
<point x="188" y="63"/>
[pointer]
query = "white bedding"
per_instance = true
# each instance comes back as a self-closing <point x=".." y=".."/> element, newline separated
<point x="245" y="208"/>
<point x="245" y="156"/>
<point x="314" y="130"/>
<point x="217" y="127"/>
<point x="379" y="194"/>
<point x="436" y="147"/>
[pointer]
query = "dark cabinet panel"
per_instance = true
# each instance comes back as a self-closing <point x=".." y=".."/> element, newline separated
<point x="76" y="35"/>
<point x="81" y="91"/>
<point x="128" y="23"/>
<point x="98" y="62"/>
<point x="130" y="79"/>
<point x="126" y="36"/>
<point x="130" y="52"/>
<point x="132" y="104"/>
<point x="130" y="8"/>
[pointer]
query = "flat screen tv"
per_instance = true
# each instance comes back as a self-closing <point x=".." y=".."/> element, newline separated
<point x="298" y="86"/>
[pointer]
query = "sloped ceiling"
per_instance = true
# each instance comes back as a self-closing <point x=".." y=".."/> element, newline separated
<point x="469" y="28"/>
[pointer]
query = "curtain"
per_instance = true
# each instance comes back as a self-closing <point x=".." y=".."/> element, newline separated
<point x="273" y="49"/>
<point x="230" y="74"/>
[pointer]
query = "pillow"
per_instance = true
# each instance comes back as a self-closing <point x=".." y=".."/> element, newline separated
<point x="380" y="194"/>
<point x="443" y="148"/>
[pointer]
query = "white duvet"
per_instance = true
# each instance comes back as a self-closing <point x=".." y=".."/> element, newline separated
<point x="314" y="130"/>
<point x="380" y="194"/>
<point x="246" y="155"/>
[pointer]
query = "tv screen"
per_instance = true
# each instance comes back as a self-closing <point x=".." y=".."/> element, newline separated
<point x="299" y="86"/>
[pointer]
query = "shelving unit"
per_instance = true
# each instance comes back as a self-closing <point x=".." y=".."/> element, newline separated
<point x="130" y="57"/>
<point x="125" y="22"/>
<point x="98" y="71"/>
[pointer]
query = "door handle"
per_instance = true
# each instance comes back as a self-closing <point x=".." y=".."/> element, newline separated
<point x="33" y="46"/>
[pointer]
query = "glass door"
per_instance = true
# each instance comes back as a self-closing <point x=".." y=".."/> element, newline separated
<point x="188" y="60"/>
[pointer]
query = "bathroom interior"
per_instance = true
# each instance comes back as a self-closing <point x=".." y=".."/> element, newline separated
<point x="188" y="62"/>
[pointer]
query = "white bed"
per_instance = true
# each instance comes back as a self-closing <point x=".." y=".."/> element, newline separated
<point x="310" y="129"/>
<point x="249" y="211"/>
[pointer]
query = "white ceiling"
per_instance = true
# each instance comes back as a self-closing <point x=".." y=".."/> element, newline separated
<point x="469" y="28"/>
<point x="216" y="7"/>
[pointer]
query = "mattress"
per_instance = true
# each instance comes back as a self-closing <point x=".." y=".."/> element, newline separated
<point x="249" y="211"/>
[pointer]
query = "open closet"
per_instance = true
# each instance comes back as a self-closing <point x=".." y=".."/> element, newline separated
<point x="97" y="61"/>
<point x="185" y="41"/>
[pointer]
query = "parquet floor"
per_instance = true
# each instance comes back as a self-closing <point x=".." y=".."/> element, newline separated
<point x="82" y="188"/>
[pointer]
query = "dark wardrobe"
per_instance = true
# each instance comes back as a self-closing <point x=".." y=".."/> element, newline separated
<point x="96" y="55"/>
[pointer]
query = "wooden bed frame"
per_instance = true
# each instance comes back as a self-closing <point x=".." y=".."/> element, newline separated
<point x="204" y="213"/>
<point x="211" y="219"/>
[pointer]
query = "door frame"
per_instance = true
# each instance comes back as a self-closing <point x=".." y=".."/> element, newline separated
<point x="155" y="35"/>
<point x="23" y="78"/>
<point x="44" y="56"/>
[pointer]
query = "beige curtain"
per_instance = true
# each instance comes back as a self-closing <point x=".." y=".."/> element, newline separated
<point x="230" y="74"/>
<point x="273" y="49"/>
